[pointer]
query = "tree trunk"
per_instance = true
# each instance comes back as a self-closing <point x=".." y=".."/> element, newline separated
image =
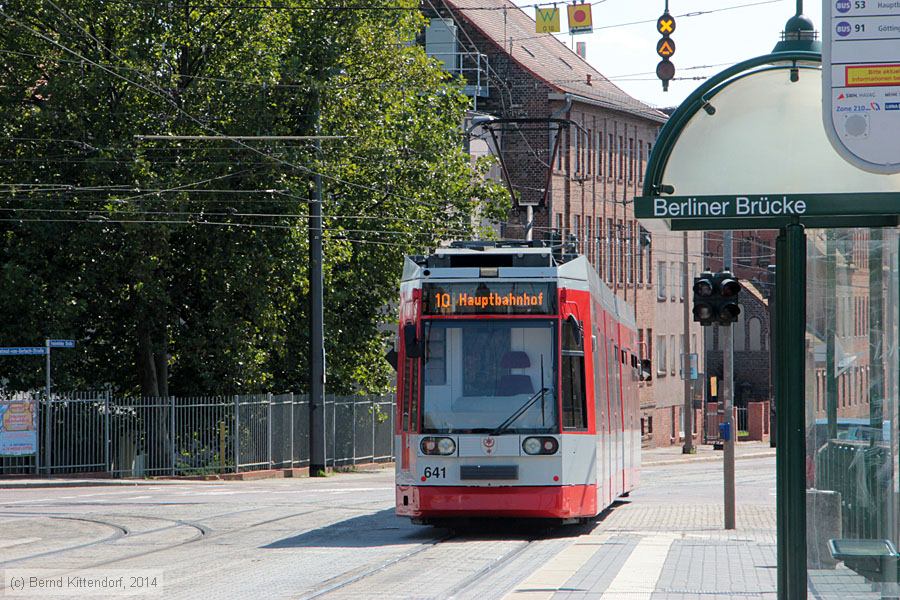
<point x="153" y="371"/>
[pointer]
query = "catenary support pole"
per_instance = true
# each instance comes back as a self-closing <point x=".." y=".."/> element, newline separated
<point x="686" y="357"/>
<point x="529" y="224"/>
<point x="726" y="333"/>
<point x="48" y="425"/>
<point x="316" y="334"/>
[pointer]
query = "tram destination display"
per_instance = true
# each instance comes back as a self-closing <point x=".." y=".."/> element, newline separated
<point x="489" y="298"/>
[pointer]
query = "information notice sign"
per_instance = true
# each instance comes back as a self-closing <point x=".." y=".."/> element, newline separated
<point x="18" y="426"/>
<point x="861" y="81"/>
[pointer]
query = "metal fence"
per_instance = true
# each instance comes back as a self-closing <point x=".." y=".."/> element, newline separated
<point x="135" y="437"/>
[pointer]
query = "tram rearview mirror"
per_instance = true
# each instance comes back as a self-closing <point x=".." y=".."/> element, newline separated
<point x="391" y="357"/>
<point x="410" y="342"/>
<point x="577" y="330"/>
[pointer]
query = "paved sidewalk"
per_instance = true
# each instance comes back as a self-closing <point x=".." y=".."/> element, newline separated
<point x="705" y="452"/>
<point x="653" y="548"/>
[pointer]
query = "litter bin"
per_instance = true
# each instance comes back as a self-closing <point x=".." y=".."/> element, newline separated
<point x="725" y="431"/>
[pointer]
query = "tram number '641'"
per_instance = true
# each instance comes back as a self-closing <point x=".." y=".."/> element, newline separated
<point x="435" y="472"/>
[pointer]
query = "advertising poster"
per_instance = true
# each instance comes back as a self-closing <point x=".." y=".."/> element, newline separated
<point x="18" y="427"/>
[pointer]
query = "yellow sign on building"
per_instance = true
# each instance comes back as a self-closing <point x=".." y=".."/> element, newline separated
<point x="580" y="18"/>
<point x="546" y="20"/>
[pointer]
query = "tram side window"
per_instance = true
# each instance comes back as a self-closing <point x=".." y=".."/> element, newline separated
<point x="409" y="401"/>
<point x="574" y="399"/>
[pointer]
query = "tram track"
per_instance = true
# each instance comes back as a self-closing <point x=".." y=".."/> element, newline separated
<point x="345" y="580"/>
<point x="204" y="531"/>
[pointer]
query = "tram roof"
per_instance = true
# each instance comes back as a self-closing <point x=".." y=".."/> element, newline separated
<point x="515" y="259"/>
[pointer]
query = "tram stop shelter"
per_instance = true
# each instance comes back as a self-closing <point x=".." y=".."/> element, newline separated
<point x="748" y="150"/>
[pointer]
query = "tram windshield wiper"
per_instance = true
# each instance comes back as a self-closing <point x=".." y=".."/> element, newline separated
<point x="520" y="411"/>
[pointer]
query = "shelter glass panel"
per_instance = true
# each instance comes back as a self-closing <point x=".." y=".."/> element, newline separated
<point x="851" y="413"/>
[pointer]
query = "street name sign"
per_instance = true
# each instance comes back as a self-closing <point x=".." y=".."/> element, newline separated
<point x="61" y="343"/>
<point x="770" y="205"/>
<point x="23" y="351"/>
<point x="861" y="81"/>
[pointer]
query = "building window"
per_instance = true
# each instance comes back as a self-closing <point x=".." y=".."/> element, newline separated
<point x="620" y="252"/>
<point x="610" y="172"/>
<point x="739" y="337"/>
<point x="621" y="149"/>
<point x="641" y="161"/>
<point x="607" y="251"/>
<point x="559" y="150"/>
<point x="599" y="154"/>
<point x="673" y="355"/>
<point x="661" y="291"/>
<point x="588" y="245"/>
<point x="630" y="159"/>
<point x="683" y="275"/>
<point x="674" y="285"/>
<point x="576" y="231"/>
<point x="577" y="157"/>
<point x="640" y="256"/>
<point x="661" y="362"/>
<point x="590" y="156"/>
<point x="755" y="326"/>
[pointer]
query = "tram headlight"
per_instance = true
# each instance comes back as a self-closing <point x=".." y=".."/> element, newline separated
<point x="540" y="445"/>
<point x="443" y="446"/>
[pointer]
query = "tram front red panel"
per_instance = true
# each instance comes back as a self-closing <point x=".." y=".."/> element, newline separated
<point x="554" y="502"/>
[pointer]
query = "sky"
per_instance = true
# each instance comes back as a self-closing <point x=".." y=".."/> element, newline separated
<point x="705" y="43"/>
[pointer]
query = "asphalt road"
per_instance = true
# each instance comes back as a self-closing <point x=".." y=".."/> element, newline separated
<point x="335" y="537"/>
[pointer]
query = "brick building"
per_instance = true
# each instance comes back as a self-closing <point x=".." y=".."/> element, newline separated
<point x="576" y="173"/>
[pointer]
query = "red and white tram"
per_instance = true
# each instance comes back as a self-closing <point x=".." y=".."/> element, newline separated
<point x="517" y="386"/>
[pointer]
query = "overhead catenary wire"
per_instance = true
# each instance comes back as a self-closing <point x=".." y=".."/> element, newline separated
<point x="163" y="95"/>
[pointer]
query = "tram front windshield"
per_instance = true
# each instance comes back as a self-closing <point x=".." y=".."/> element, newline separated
<point x="479" y="373"/>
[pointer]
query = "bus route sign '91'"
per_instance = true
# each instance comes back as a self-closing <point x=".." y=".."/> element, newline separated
<point x="489" y="298"/>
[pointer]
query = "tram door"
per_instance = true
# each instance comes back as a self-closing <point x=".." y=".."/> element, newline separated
<point x="601" y="409"/>
<point x="408" y="386"/>
<point x="615" y="405"/>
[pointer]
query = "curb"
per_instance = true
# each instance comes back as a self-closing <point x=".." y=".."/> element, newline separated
<point x="170" y="480"/>
<point x="715" y="458"/>
<point x="62" y="483"/>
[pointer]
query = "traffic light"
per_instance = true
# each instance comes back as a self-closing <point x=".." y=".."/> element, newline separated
<point x="665" y="48"/>
<point x="716" y="298"/>
<point x="729" y="290"/>
<point x="704" y="309"/>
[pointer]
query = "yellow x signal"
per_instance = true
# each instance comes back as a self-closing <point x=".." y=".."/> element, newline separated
<point x="666" y="24"/>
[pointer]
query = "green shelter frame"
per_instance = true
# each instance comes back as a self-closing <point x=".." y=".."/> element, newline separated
<point x="844" y="209"/>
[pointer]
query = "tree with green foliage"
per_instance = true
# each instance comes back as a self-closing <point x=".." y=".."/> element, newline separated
<point x="180" y="265"/>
